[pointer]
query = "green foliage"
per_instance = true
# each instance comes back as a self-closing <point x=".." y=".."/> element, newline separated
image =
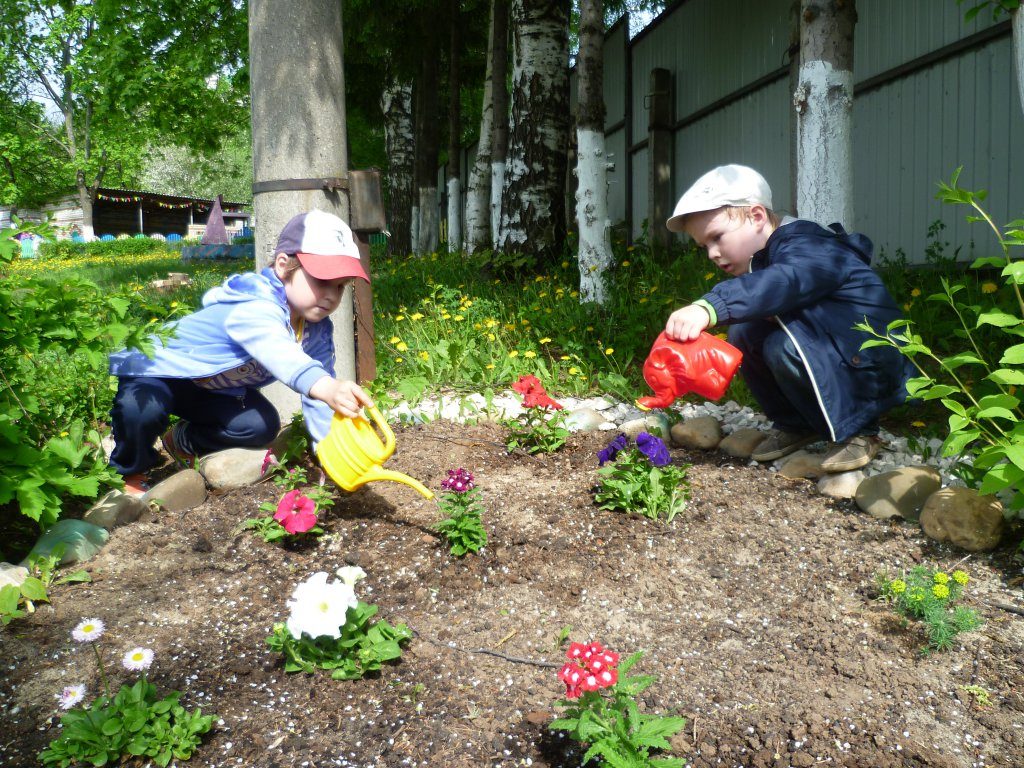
<point x="976" y="384"/>
<point x="462" y="526"/>
<point x="633" y="484"/>
<point x="362" y="647"/>
<point x="134" y="723"/>
<point x="129" y="246"/>
<point x="998" y="7"/>
<point x="15" y="602"/>
<point x="930" y="596"/>
<point x="610" y="721"/>
<point x="271" y="531"/>
<point x="542" y="431"/>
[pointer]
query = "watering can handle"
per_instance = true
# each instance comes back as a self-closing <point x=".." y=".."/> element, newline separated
<point x="385" y="430"/>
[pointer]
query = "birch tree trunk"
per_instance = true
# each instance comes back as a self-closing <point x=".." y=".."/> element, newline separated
<point x="499" y="93"/>
<point x="824" y="105"/>
<point x="427" y="140"/>
<point x="1017" y="22"/>
<point x="454" y="196"/>
<point x="533" y="195"/>
<point x="595" y="249"/>
<point x="478" y="189"/>
<point x="400" y="145"/>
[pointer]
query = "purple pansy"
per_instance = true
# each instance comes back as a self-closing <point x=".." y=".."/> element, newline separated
<point x="653" y="448"/>
<point x="458" y="481"/>
<point x="609" y="453"/>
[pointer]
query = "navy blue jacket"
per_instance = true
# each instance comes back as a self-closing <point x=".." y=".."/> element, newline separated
<point x="818" y="283"/>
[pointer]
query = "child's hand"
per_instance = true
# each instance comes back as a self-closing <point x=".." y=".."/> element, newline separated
<point x="686" y="324"/>
<point x="346" y="397"/>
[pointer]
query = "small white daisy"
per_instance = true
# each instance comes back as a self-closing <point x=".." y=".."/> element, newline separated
<point x="71" y="695"/>
<point x="138" y="659"/>
<point x="88" y="630"/>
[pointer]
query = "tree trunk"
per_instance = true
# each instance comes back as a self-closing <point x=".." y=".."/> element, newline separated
<point x="85" y="200"/>
<point x="1017" y="21"/>
<point x="478" y="192"/>
<point x="533" y="195"/>
<point x="824" y="105"/>
<point x="454" y="195"/>
<point x="499" y="92"/>
<point x="400" y="145"/>
<point x="428" y="137"/>
<point x="595" y="249"/>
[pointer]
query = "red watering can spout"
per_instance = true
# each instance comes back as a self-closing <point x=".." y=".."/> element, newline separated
<point x="705" y="365"/>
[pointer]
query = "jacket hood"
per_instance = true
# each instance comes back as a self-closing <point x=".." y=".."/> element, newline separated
<point x="247" y="287"/>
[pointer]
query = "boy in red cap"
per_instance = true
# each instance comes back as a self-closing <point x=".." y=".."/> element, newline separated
<point x="253" y="329"/>
<point x="798" y="291"/>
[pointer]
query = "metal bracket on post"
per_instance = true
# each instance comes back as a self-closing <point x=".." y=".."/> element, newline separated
<point x="366" y="217"/>
<point x="331" y="185"/>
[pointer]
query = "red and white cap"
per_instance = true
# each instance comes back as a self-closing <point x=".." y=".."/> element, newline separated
<point x="323" y="244"/>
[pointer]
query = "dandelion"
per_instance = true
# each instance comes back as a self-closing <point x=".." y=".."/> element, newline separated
<point x="906" y="307"/>
<point x="394" y="340"/>
<point x="491" y="337"/>
<point x="916" y="292"/>
<point x="961" y="577"/>
<point x="545" y="340"/>
<point x="137" y="659"/>
<point x="489" y="366"/>
<point x="898" y="586"/>
<point x="318" y="608"/>
<point x="918" y="424"/>
<point x="940" y="578"/>
<point x="399" y="318"/>
<point x="609" y="351"/>
<point x="423" y="355"/>
<point x="416" y="316"/>
<point x="402" y="346"/>
<point x="88" y="631"/>
<point x="565" y="265"/>
<point x="941" y="591"/>
<point x="458" y="318"/>
<point x="989" y="288"/>
<point x="514" y="353"/>
<point x="71" y="695"/>
<point x="529" y="354"/>
<point x="625" y="263"/>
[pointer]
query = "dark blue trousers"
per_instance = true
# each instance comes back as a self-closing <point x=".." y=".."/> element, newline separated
<point x="143" y="406"/>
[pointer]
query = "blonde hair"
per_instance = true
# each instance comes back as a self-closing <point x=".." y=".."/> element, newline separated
<point x="291" y="266"/>
<point x="743" y="211"/>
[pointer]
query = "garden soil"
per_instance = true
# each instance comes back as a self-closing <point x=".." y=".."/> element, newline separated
<point x="756" y="609"/>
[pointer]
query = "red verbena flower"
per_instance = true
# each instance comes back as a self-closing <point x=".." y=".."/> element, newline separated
<point x="296" y="512"/>
<point x="590" y="668"/>
<point x="533" y="393"/>
<point x="458" y="481"/>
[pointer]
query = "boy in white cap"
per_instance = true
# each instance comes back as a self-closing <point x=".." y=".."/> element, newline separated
<point x="253" y="329"/>
<point x="798" y="291"/>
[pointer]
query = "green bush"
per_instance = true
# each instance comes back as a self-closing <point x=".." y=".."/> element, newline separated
<point x="67" y="249"/>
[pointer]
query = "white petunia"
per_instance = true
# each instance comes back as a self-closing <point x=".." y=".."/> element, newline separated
<point x="318" y="608"/>
<point x="138" y="659"/>
<point x="88" y="630"/>
<point x="71" y="695"/>
<point x="350" y="574"/>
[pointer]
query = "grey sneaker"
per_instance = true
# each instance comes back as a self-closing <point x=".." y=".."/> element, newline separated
<point x="780" y="443"/>
<point x="853" y="454"/>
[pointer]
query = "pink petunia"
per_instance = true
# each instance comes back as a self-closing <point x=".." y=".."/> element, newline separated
<point x="268" y="461"/>
<point x="296" y="512"/>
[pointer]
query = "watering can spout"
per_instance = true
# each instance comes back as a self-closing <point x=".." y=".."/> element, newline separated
<point x="397" y="477"/>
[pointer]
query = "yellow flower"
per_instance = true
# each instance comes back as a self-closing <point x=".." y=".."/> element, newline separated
<point x="898" y="586"/>
<point x="398" y="359"/>
<point x="989" y="288"/>
<point x="539" y="279"/>
<point x="626" y="262"/>
<point x="445" y="316"/>
<point x="458" y="318"/>
<point x="574" y="294"/>
<point x="916" y="595"/>
<point x="916" y="292"/>
<point x="394" y="340"/>
<point x="424" y="355"/>
<point x="917" y="424"/>
<point x="545" y="340"/>
<point x="489" y="366"/>
<point x="529" y="354"/>
<point x="565" y="264"/>
<point x="542" y="294"/>
<point x="491" y="337"/>
<point x="573" y="371"/>
<point x="174" y="304"/>
<point x="467" y="303"/>
<point x="399" y="317"/>
<point x="63" y="434"/>
<point x="514" y="353"/>
<point x="416" y="316"/>
<point x="630" y="249"/>
<point x="940" y="578"/>
<point x="906" y="307"/>
<point x="590" y="328"/>
<point x="709" y="275"/>
<point x="643" y="300"/>
<point x="490" y="322"/>
<point x="564" y="357"/>
<point x="961" y="577"/>
<point x="402" y="346"/>
<point x="941" y="591"/>
<point x="609" y="351"/>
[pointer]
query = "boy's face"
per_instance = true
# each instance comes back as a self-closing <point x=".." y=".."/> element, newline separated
<point x="731" y="237"/>
<point x="309" y="297"/>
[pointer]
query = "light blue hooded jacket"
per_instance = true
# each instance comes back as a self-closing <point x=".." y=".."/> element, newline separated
<point x="245" y="319"/>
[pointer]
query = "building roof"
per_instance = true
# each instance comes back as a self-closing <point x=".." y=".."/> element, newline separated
<point x="119" y="194"/>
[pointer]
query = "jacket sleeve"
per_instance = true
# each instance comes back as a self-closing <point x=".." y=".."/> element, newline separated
<point x="801" y="271"/>
<point x="261" y="329"/>
<point x="317" y="413"/>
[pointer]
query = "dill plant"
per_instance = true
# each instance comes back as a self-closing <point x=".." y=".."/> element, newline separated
<point x="930" y="596"/>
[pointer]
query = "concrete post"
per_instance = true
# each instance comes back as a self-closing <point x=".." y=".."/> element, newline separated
<point x="299" y="141"/>
<point x="660" y="199"/>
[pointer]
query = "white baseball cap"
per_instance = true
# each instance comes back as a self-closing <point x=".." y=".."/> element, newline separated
<point x="735" y="185"/>
<point x="323" y="244"/>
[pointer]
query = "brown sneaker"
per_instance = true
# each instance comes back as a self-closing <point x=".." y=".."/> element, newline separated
<point x="136" y="485"/>
<point x="780" y="443"/>
<point x="182" y="458"/>
<point x="853" y="454"/>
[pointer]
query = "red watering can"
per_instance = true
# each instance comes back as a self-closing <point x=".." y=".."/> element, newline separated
<point x="705" y="365"/>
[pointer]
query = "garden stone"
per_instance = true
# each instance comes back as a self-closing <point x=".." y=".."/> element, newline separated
<point x="281" y="441"/>
<point x="802" y="464"/>
<point x="654" y="423"/>
<point x="114" y="509"/>
<point x="842" y="485"/>
<point x="232" y="468"/>
<point x="179" y="492"/>
<point x="899" y="493"/>
<point x="701" y="432"/>
<point x="80" y="540"/>
<point x="13" y="575"/>
<point x="964" y="518"/>
<point x="584" y="420"/>
<point x="742" y="442"/>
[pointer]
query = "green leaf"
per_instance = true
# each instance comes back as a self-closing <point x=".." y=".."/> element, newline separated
<point x="998" y="319"/>
<point x="997" y="413"/>
<point x="961" y="358"/>
<point x="1015" y="453"/>
<point x="1013" y="355"/>
<point x="1007" y="376"/>
<point x="999" y="401"/>
<point x="1000" y="477"/>
<point x="33" y="589"/>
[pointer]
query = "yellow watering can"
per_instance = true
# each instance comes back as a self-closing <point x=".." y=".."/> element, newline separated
<point x="353" y="452"/>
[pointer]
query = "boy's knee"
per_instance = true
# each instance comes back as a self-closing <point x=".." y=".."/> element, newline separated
<point x="258" y="425"/>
